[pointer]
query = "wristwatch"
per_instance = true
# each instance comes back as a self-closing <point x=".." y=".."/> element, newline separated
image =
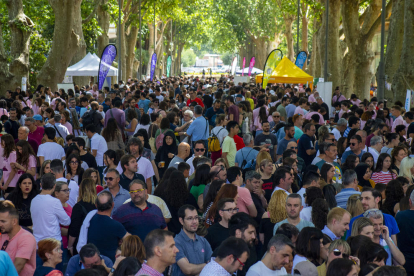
<point x="112" y="270"/>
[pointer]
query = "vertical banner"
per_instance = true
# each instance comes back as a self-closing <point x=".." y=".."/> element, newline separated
<point x="252" y="61"/>
<point x="244" y="63"/>
<point x="233" y="66"/>
<point x="107" y="57"/>
<point x="168" y="66"/>
<point x="272" y="61"/>
<point x="153" y="64"/>
<point x="407" y="101"/>
<point x="301" y="59"/>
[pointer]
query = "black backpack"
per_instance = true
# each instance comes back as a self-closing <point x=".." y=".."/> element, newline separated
<point x="88" y="118"/>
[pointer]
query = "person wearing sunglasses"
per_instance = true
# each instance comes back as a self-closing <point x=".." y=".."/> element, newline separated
<point x="338" y="249"/>
<point x="356" y="146"/>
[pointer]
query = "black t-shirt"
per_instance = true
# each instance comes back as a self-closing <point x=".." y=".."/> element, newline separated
<point x="174" y="225"/>
<point x="259" y="207"/>
<point x="216" y="235"/>
<point x="90" y="160"/>
<point x="326" y="116"/>
<point x="263" y="139"/>
<point x="25" y="218"/>
<point x="410" y="129"/>
<point x="208" y="101"/>
<point x="125" y="181"/>
<point x="12" y="128"/>
<point x="267" y="186"/>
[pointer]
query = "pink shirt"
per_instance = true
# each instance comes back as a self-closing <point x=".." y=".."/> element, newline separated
<point x="299" y="110"/>
<point x="69" y="127"/>
<point x="3" y="111"/>
<point x="32" y="164"/>
<point x="23" y="245"/>
<point x="244" y="199"/>
<point x="7" y="169"/>
<point x="37" y="135"/>
<point x="309" y="115"/>
<point x="68" y="211"/>
<point x="398" y="121"/>
<point x="311" y="98"/>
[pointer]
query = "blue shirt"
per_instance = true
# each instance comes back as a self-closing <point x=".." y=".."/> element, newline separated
<point x="349" y="152"/>
<point x="6" y="265"/>
<point x="140" y="222"/>
<point x="198" y="129"/>
<point x="405" y="238"/>
<point x="328" y="232"/>
<point x="210" y="115"/>
<point x="290" y="110"/>
<point x="74" y="264"/>
<point x="389" y="221"/>
<point x="305" y="143"/>
<point x="120" y="198"/>
<point x="343" y="195"/>
<point x="245" y="153"/>
<point x="282" y="145"/>
<point x="197" y="251"/>
<point x="144" y="104"/>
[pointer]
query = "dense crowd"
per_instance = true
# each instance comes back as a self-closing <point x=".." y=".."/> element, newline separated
<point x="189" y="176"/>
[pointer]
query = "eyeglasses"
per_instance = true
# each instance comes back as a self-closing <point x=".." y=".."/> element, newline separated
<point x="109" y="178"/>
<point x="275" y="116"/>
<point x="192" y="219"/>
<point x="221" y="168"/>
<point x="65" y="190"/>
<point x="293" y="147"/>
<point x="232" y="210"/>
<point x="338" y="252"/>
<point x="4" y="246"/>
<point x="74" y="162"/>
<point x="136" y="191"/>
<point x="352" y="144"/>
<point x="197" y="150"/>
<point x="241" y="263"/>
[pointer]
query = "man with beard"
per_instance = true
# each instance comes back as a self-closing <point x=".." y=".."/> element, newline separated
<point x="282" y="144"/>
<point x="139" y="217"/>
<point x="194" y="250"/>
<point x="279" y="250"/>
<point x="268" y="139"/>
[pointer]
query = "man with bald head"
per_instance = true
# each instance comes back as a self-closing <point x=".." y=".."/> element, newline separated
<point x="183" y="153"/>
<point x="23" y="134"/>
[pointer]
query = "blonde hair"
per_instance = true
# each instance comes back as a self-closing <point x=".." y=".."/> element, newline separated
<point x="87" y="191"/>
<point x="359" y="224"/>
<point x="277" y="208"/>
<point x="60" y="141"/>
<point x="405" y="168"/>
<point x="248" y="94"/>
<point x="132" y="246"/>
<point x="336" y="213"/>
<point x="264" y="163"/>
<point x="354" y="205"/>
<point x="262" y="155"/>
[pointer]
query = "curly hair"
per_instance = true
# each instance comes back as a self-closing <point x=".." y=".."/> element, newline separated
<point x="394" y="192"/>
<point x="176" y="192"/>
<point x="349" y="163"/>
<point x="277" y="206"/>
<point x="320" y="210"/>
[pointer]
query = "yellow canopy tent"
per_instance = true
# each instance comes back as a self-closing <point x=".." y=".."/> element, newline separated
<point x="287" y="72"/>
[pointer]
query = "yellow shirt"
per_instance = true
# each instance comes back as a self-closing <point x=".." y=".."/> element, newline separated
<point x="321" y="269"/>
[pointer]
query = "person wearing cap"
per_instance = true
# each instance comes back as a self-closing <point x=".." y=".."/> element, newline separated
<point x="279" y="251"/>
<point x="194" y="98"/>
<point x="35" y="132"/>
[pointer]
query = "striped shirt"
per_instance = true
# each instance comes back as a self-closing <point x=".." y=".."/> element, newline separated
<point x="383" y="177"/>
<point x="343" y="195"/>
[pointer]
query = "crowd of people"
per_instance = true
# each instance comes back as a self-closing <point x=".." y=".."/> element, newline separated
<point x="195" y="176"/>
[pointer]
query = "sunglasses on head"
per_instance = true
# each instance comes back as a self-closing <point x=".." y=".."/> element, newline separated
<point x="338" y="252"/>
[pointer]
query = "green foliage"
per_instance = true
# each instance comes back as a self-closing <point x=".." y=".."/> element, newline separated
<point x="227" y="58"/>
<point x="145" y="56"/>
<point x="188" y="58"/>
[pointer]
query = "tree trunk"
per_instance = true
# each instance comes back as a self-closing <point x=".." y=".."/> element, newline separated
<point x="21" y="28"/>
<point x="81" y="52"/>
<point x="333" y="39"/>
<point x="314" y="68"/>
<point x="289" y="37"/>
<point x="178" y="65"/>
<point x="404" y="77"/>
<point x="151" y="45"/>
<point x="103" y="19"/>
<point x="305" y="23"/>
<point x="394" y="42"/>
<point x="65" y="42"/>
<point x="131" y="41"/>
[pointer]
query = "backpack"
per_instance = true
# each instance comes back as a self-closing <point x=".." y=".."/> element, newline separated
<point x="251" y="165"/>
<point x="88" y="118"/>
<point x="159" y="140"/>
<point x="244" y="163"/>
<point x="214" y="143"/>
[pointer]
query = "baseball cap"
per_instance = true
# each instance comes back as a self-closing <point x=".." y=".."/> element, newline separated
<point x="37" y="117"/>
<point x="239" y="96"/>
<point x="306" y="268"/>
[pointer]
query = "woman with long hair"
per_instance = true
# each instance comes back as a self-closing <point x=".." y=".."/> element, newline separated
<point x="113" y="136"/>
<point x="49" y="250"/>
<point x="73" y="168"/>
<point x="342" y="267"/>
<point x="201" y="179"/>
<point x="162" y="185"/>
<point x="166" y="152"/>
<point x="354" y="205"/>
<point x="364" y="173"/>
<point x="405" y="201"/>
<point x="176" y="195"/>
<point x="132" y="246"/>
<point x="215" y="186"/>
<point x="407" y="168"/>
<point x="26" y="160"/>
<point x="225" y="192"/>
<point x="111" y="160"/>
<point x="327" y="174"/>
<point x="42" y="110"/>
<point x="350" y="162"/>
<point x="369" y="160"/>
<point x="132" y="118"/>
<point x="383" y="173"/>
<point x="3" y="108"/>
<point x="10" y="175"/>
<point x="164" y="128"/>
<point x="263" y="114"/>
<point x="362" y="226"/>
<point x="394" y="192"/>
<point x="86" y="203"/>
<point x="319" y="213"/>
<point x="126" y="266"/>
<point x="22" y="196"/>
<point x="66" y="121"/>
<point x="329" y="192"/>
<point x="94" y="175"/>
<point x="276" y="212"/>
<point x="312" y="193"/>
<point x="45" y="168"/>
<point x="397" y="155"/>
<point x="61" y="192"/>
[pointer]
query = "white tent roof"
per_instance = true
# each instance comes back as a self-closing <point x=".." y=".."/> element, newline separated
<point x="89" y="66"/>
<point x="246" y="71"/>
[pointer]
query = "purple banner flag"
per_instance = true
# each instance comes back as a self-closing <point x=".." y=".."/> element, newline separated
<point x="153" y="64"/>
<point x="108" y="56"/>
<point x="252" y="61"/>
<point x="244" y="63"/>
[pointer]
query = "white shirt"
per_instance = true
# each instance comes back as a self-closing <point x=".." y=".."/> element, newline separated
<point x="221" y="133"/>
<point x="190" y="162"/>
<point x="306" y="213"/>
<point x="301" y="192"/>
<point x="61" y="130"/>
<point x="278" y="188"/>
<point x="83" y="235"/>
<point x="74" y="191"/>
<point x="260" y="269"/>
<point x="374" y="153"/>
<point x="98" y="143"/>
<point x="160" y="97"/>
<point x="144" y="167"/>
<point x="336" y="133"/>
<point x="50" y="151"/>
<point x="47" y="213"/>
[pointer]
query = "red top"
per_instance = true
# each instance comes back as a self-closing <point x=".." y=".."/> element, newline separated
<point x="200" y="102"/>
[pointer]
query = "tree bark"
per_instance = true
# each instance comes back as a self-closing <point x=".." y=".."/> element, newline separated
<point x="305" y="23"/>
<point x="394" y="42"/>
<point x="289" y="36"/>
<point x="404" y="77"/>
<point x="21" y="28"/>
<point x="103" y="19"/>
<point x="81" y="52"/>
<point x="66" y="40"/>
<point x="131" y="41"/>
<point x="314" y="68"/>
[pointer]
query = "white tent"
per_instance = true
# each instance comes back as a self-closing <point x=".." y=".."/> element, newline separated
<point x="246" y="71"/>
<point x="89" y="66"/>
